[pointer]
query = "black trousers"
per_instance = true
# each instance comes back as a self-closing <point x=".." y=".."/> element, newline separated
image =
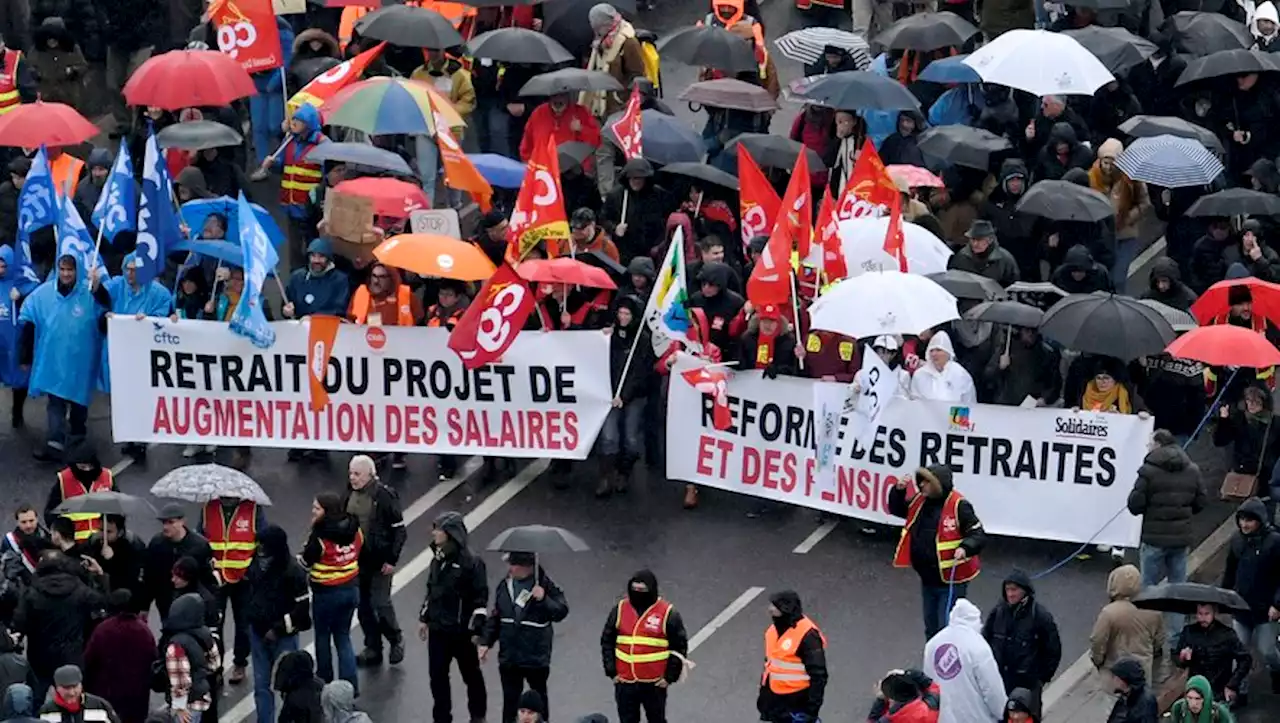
<point x="632" y="697"/>
<point x="377" y="616"/>
<point x="235" y="593"/>
<point x="442" y="649"/>
<point x="514" y="678"/>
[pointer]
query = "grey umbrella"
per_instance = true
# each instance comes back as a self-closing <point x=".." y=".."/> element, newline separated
<point x="198" y="136"/>
<point x="1006" y="312"/>
<point x="1183" y="597"/>
<point x="1143" y="126"/>
<point x="729" y="93"/>
<point x="362" y="154"/>
<point x="968" y="285"/>
<point x="1066" y="201"/>
<point x="702" y="172"/>
<point x="962" y="145"/>
<point x="539" y="539"/>
<point x="569" y="80"/>
<point x="200" y="483"/>
<point x="518" y="45"/>
<point x="1180" y="320"/>
<point x="106" y="503"/>
<point x="772" y="151"/>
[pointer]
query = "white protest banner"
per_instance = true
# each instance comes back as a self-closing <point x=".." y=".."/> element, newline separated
<point x="1048" y="474"/>
<point x="390" y="389"/>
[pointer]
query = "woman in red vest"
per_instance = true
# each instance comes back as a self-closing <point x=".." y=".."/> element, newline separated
<point x="905" y="696"/>
<point x="332" y="557"/>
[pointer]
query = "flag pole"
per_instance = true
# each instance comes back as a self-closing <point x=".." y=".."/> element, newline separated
<point x="630" y="355"/>
<point x="626" y="196"/>
<point x="795" y="313"/>
<point x="93" y="260"/>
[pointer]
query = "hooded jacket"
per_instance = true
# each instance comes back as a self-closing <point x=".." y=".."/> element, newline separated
<point x="338" y="703"/>
<point x="1269" y="43"/>
<point x="813" y="655"/>
<point x="457" y="583"/>
<point x="57" y="613"/>
<point x="1078" y="259"/>
<point x="724" y="310"/>
<point x="951" y="384"/>
<point x="677" y="636"/>
<point x="1138" y="705"/>
<point x="1034" y="370"/>
<point x="1024" y="638"/>
<point x="1025" y="701"/>
<point x="1178" y="296"/>
<point x="1214" y="711"/>
<point x="185" y="627"/>
<point x="1050" y="166"/>
<point x="340" y="529"/>
<point x="66" y="341"/>
<point x="1168" y="493"/>
<point x="1122" y="629"/>
<point x="524" y="633"/>
<point x="279" y="598"/>
<point x="326" y="292"/>
<point x="60" y="70"/>
<point x="11" y="373"/>
<point x="18" y="704"/>
<point x="299" y="687"/>
<point x="641" y="378"/>
<point x="1254" y="440"/>
<point x="1015" y="229"/>
<point x="1253" y="564"/>
<point x="14" y="668"/>
<point x="961" y="663"/>
<point x="924" y="553"/>
<point x="1266" y="266"/>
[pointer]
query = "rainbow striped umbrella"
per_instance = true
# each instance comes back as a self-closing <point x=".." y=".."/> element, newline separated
<point x="384" y="106"/>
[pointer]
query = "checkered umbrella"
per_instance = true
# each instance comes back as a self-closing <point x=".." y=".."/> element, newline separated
<point x="805" y="46"/>
<point x="203" y="482"/>
<point x="1169" y="161"/>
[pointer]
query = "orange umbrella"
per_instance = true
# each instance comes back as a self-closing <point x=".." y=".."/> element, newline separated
<point x="428" y="254"/>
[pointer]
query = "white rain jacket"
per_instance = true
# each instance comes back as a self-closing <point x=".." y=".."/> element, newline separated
<point x="952" y="384"/>
<point x="960" y="662"/>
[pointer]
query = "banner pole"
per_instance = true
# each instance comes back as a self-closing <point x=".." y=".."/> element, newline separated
<point x="630" y="355"/>
<point x="795" y="313"/>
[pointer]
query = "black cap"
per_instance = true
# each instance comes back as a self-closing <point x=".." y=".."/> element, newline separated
<point x="582" y="218"/>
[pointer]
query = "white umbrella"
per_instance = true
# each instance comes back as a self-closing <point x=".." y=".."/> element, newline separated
<point x="1040" y="62"/>
<point x="862" y="240"/>
<point x="883" y="302"/>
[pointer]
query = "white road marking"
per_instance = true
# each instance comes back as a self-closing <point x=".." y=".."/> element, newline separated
<point x="724" y="617"/>
<point x="128" y="461"/>
<point x="1147" y="255"/>
<point x="815" y="537"/>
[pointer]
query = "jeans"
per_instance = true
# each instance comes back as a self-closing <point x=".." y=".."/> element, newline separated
<point x="936" y="605"/>
<point x="513" y="679"/>
<point x="332" y="608"/>
<point x="266" y="115"/>
<point x="1262" y="638"/>
<point x="236" y="594"/>
<point x="59" y="410"/>
<point x="377" y="615"/>
<point x="623" y="430"/>
<point x="634" y="697"/>
<point x="443" y="647"/>
<point x="195" y="716"/>
<point x="265" y="653"/>
<point x="1157" y="563"/>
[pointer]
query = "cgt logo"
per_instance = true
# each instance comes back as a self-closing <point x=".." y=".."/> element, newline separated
<point x="958" y="418"/>
<point x="376" y="338"/>
<point x="1081" y="428"/>
<point x="162" y="335"/>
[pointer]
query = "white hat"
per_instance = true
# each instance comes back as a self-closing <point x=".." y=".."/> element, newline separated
<point x="885" y="341"/>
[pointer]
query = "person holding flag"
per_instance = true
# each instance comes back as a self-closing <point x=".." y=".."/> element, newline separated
<point x="13" y="288"/>
<point x="300" y="176"/>
<point x="37" y="209"/>
<point x="637" y="211"/>
<point x="116" y="207"/>
<point x="769" y="344"/>
<point x="158" y="223"/>
<point x="266" y="109"/>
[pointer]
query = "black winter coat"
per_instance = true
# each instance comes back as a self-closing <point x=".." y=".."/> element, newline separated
<point x="677" y="642"/>
<point x="1137" y="706"/>
<point x="996" y="264"/>
<point x="1050" y="166"/>
<point x="279" y="598"/>
<point x="91" y="702"/>
<point x="1265" y="267"/>
<point x="300" y="689"/>
<point x="1253" y="565"/>
<point x="82" y="21"/>
<point x="1024" y="639"/>
<point x="1250" y="452"/>
<point x="457" y="584"/>
<point x="132" y="25"/>
<point x="641" y="378"/>
<point x="8" y="214"/>
<point x="646" y="219"/>
<point x="924" y="553"/>
<point x="1216" y="653"/>
<point x="57" y="614"/>
<point x="157" y="573"/>
<point x="385" y="539"/>
<point x="524" y="634"/>
<point x="784" y="353"/>
<point x="1167" y="495"/>
<point x="1179" y="295"/>
<point x="1208" y="266"/>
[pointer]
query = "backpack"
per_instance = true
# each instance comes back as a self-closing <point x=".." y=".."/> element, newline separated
<point x="652" y="62"/>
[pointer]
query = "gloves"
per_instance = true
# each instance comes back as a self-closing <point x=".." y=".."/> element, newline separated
<point x="771" y="372"/>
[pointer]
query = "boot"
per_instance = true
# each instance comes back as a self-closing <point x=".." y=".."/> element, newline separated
<point x="623" y="477"/>
<point x="690" y="496"/>
<point x="237" y="675"/>
<point x="369" y="658"/>
<point x="605" y="475"/>
<point x="397" y="651"/>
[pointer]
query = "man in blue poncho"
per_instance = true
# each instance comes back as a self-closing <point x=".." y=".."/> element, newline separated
<point x="12" y="288"/>
<point x="61" y="341"/>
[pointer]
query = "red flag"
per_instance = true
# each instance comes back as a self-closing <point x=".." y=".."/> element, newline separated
<point x="827" y="233"/>
<point x="493" y="320"/>
<point x="758" y="202"/>
<point x="770" y="281"/>
<point x="628" y="129"/>
<point x="459" y="173"/>
<point x="327" y="84"/>
<point x="246" y="30"/>
<point x="894" y="242"/>
<point x="713" y="381"/>
<point x="870" y="190"/>
<point x="539" y="211"/>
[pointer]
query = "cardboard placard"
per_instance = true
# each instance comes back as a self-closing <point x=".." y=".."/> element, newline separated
<point x="438" y="221"/>
<point x="347" y="217"/>
<point x="289" y="7"/>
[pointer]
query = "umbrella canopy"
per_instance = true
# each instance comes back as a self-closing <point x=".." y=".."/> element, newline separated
<point x="883" y="302"/>
<point x="574" y="153"/>
<point x="853" y="90"/>
<point x="106" y="503"/>
<point x="1214" y="303"/>
<point x="1117" y="48"/>
<point x="1016" y="59"/>
<point x="1236" y="202"/>
<point x="389" y="106"/>
<point x="309" y="69"/>
<point x="392" y="198"/>
<point x="200" y="483"/>
<point x="363" y="154"/>
<point x="433" y="255"/>
<point x="499" y="170"/>
<point x="1065" y="201"/>
<point x="927" y="31"/>
<point x="32" y="125"/>
<point x="968" y="285"/>
<point x="569" y="80"/>
<point x="518" y="45"/>
<point x="711" y="47"/>
<point x="1145" y="126"/>
<point x="806" y="45"/>
<point x="1107" y="324"/>
<point x="666" y="139"/>
<point x="1226" y="345"/>
<point x="188" y="79"/>
<point x="914" y="176"/>
<point x="194" y="214"/>
<point x="950" y="70"/>
<point x="1170" y="161"/>
<point x="1228" y="62"/>
<point x="1183" y="597"/>
<point x="409" y="26"/>
<point x="1180" y="320"/>
<point x="198" y="135"/>
<point x="862" y="243"/>
<point x="539" y="539"/>
<point x="730" y="93"/>
<point x="1012" y="313"/>
<point x="1202" y="33"/>
<point x="230" y="254"/>
<point x="772" y="151"/>
<point x="962" y="146"/>
<point x="566" y="21"/>
<point x="702" y="172"/>
<point x="1100" y="4"/>
<point x="564" y="270"/>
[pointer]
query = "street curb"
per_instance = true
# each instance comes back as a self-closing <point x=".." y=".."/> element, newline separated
<point x="1082" y="668"/>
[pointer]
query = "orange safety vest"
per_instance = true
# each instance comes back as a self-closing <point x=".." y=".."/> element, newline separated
<point x="9" y="98"/>
<point x="783" y="670"/>
<point x="66" y="173"/>
<point x="642" y="648"/>
<point x="233" y="540"/>
<point x="338" y="564"/>
<point x="299" y="177"/>
<point x="361" y="302"/>
<point x="347" y="24"/>
<point x="948" y="538"/>
<point x="86" y="523"/>
<point x="434" y="320"/>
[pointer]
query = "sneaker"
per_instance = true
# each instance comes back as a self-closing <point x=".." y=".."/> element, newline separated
<point x="190" y="451"/>
<point x="397" y="652"/>
<point x="369" y="658"/>
<point x="210" y="449"/>
<point x="237" y="675"/>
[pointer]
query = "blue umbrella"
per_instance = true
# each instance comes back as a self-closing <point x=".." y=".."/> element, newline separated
<point x="950" y="70"/>
<point x="228" y="253"/>
<point x="194" y="214"/>
<point x="1169" y="161"/>
<point x="362" y="154"/>
<point x="498" y="170"/>
<point x="666" y="139"/>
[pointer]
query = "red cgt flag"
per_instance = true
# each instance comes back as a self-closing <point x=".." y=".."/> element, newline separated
<point x="757" y="201"/>
<point x="628" y="129"/>
<point x="246" y="30"/>
<point x="539" y="212"/>
<point x="715" y="382"/>
<point x="870" y="190"/>
<point x="770" y="281"/>
<point x="493" y="320"/>
<point x="327" y="84"/>
<point x="828" y="240"/>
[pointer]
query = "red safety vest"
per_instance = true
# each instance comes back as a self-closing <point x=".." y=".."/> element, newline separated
<point x="404" y="308"/>
<point x="921" y="710"/>
<point x="66" y="170"/>
<point x="9" y="98"/>
<point x="299" y="176"/>
<point x="784" y="672"/>
<point x="947" y="540"/>
<point x="338" y="564"/>
<point x="87" y="523"/>
<point x="642" y="646"/>
<point x="233" y="541"/>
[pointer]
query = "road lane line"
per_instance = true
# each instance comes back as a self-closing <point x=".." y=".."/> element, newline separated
<point x="439" y="491"/>
<point x="724" y="617"/>
<point x="815" y="537"/>
<point x="128" y="461"/>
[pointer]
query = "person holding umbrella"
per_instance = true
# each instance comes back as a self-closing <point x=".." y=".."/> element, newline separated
<point x="561" y="119"/>
<point x="616" y="51"/>
<point x="83" y="475"/>
<point x="1208" y="648"/>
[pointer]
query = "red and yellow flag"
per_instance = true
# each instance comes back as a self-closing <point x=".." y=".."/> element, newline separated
<point x="327" y="84"/>
<point x="539" y="213"/>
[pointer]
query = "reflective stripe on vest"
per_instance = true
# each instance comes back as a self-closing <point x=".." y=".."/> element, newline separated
<point x="948" y="538"/>
<point x="404" y="308"/>
<point x="66" y="170"/>
<point x="783" y="670"/>
<point x="233" y="541"/>
<point x="9" y="98"/>
<point x="86" y="523"/>
<point x="338" y="564"/>
<point x="642" y="647"/>
<point x="299" y="176"/>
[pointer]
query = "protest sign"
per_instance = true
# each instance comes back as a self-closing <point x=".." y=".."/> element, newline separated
<point x="347" y="217"/>
<point x="438" y="221"/>
<point x="389" y="389"/>
<point x="1048" y="474"/>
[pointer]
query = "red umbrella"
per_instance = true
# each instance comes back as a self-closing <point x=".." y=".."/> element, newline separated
<point x="1226" y="345"/>
<point x="1213" y="303"/>
<point x="565" y="270"/>
<point x="45" y="124"/>
<point x="392" y="198"/>
<point x="188" y="79"/>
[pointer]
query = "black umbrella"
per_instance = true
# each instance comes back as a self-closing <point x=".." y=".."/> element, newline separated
<point x="1099" y="4"/>
<point x="1006" y="312"/>
<point x="666" y="139"/>
<point x="539" y="539"/>
<point x="574" y="153"/>
<point x="1236" y="202"/>
<point x="1066" y="201"/>
<point x="962" y="146"/>
<point x="709" y="46"/>
<point x="968" y="285"/>
<point x="1107" y="324"/>
<point x="309" y="69"/>
<point x="1145" y="126"/>
<point x="409" y="26"/>
<point x="497" y="3"/>
<point x="770" y="151"/>
<point x="1117" y="48"/>
<point x="569" y="80"/>
<point x="1183" y="597"/>
<point x="198" y="135"/>
<point x="106" y="503"/>
<point x="601" y="260"/>
<point x="518" y="45"/>
<point x="566" y="21"/>
<point x="1228" y="62"/>
<point x="1202" y="33"/>
<point x="927" y="31"/>
<point x="703" y="172"/>
<point x="854" y="90"/>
